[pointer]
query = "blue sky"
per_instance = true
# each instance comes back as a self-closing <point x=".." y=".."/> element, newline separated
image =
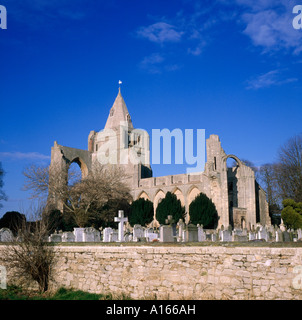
<point x="230" y="67"/>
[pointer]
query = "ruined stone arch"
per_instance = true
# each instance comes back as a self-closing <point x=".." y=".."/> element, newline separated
<point x="143" y="195"/>
<point x="159" y="195"/>
<point x="179" y="195"/>
<point x="61" y="159"/>
<point x="81" y="164"/>
<point x="193" y="192"/>
<point x="231" y="156"/>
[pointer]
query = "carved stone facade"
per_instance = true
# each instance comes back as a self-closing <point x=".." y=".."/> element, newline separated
<point x="239" y="200"/>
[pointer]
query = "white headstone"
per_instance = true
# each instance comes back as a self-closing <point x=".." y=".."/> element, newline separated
<point x="138" y="232"/>
<point x="6" y="235"/>
<point x="226" y="235"/>
<point x="279" y="236"/>
<point x="191" y="234"/>
<point x="91" y="235"/>
<point x="181" y="226"/>
<point x="106" y="234"/>
<point x="121" y="220"/>
<point x="262" y="234"/>
<point x="78" y="234"/>
<point x="150" y="235"/>
<point x="201" y="233"/>
<point x="55" y="237"/>
<point x="252" y="236"/>
<point x="114" y="236"/>
<point x="68" y="237"/>
<point x="166" y="233"/>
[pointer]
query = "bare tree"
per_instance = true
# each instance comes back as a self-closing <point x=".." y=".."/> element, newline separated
<point x="268" y="179"/>
<point x="2" y="194"/>
<point x="83" y="198"/>
<point x="288" y="170"/>
<point x="30" y="256"/>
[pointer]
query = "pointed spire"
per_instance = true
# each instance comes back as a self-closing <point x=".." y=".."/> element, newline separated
<point x="118" y="113"/>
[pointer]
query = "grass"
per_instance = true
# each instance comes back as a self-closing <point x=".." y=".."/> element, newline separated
<point x="16" y="293"/>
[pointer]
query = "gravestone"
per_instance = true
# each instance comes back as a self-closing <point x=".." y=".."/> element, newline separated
<point x="170" y="221"/>
<point x="181" y="226"/>
<point x="279" y="236"/>
<point x="191" y="233"/>
<point x="240" y="237"/>
<point x="201" y="233"/>
<point x="299" y="234"/>
<point x="55" y="237"/>
<point x="114" y="236"/>
<point x="138" y="232"/>
<point x="214" y="237"/>
<point x="150" y="235"/>
<point x="121" y="220"/>
<point x="251" y="236"/>
<point x="226" y="235"/>
<point x="68" y="237"/>
<point x="166" y="233"/>
<point x="262" y="234"/>
<point x="286" y="236"/>
<point x="106" y="234"/>
<point x="6" y="235"/>
<point x="78" y="234"/>
<point x="128" y="237"/>
<point x="91" y="235"/>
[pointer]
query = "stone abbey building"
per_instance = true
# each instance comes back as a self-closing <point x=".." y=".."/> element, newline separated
<point x="239" y="200"/>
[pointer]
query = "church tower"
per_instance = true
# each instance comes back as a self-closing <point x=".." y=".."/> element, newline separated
<point x="119" y="143"/>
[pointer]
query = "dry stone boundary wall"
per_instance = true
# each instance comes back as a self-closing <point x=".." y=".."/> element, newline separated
<point x="182" y="272"/>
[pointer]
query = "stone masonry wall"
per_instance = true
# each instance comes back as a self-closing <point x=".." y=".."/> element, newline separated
<point x="182" y="272"/>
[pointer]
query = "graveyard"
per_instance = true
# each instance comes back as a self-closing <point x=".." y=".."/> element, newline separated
<point x="176" y="261"/>
<point x="172" y="233"/>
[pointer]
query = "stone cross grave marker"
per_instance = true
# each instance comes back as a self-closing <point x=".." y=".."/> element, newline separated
<point x="170" y="221"/>
<point x="121" y="220"/>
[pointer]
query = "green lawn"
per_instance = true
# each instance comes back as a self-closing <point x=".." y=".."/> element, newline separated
<point x="16" y="293"/>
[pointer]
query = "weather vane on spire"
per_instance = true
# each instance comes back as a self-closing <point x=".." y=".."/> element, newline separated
<point x="119" y="83"/>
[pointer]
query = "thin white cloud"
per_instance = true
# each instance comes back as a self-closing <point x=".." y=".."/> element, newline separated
<point x="269" y="79"/>
<point x="160" y="32"/>
<point x="152" y="63"/>
<point x="155" y="63"/>
<point x="24" y="155"/>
